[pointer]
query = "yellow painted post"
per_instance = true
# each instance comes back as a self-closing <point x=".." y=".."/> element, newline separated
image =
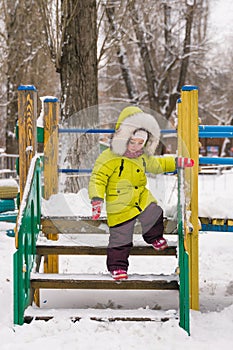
<point x="188" y="146"/>
<point x="179" y="128"/>
<point x="51" y="117"/>
<point x="27" y="134"/>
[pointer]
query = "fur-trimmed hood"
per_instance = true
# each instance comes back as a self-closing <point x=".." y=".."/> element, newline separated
<point x="131" y="119"/>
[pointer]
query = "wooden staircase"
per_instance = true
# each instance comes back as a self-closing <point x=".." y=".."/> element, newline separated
<point x="93" y="244"/>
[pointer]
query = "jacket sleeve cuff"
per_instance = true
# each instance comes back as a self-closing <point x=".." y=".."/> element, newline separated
<point x="97" y="199"/>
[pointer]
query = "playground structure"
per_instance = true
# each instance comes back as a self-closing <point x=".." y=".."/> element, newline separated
<point x="8" y="199"/>
<point x="30" y="222"/>
<point x="8" y="187"/>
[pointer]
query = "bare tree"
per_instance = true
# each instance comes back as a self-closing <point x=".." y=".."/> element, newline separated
<point x="163" y="88"/>
<point x="3" y="100"/>
<point x="25" y="59"/>
<point x="161" y="38"/>
<point x="71" y="31"/>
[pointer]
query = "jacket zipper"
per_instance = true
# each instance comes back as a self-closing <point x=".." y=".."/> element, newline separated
<point x="139" y="208"/>
<point x="121" y="167"/>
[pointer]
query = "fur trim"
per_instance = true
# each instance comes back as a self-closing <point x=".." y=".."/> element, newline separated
<point x="129" y="126"/>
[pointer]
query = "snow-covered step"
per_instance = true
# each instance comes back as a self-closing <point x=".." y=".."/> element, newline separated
<point x="108" y="315"/>
<point x="71" y="225"/>
<point x="94" y="244"/>
<point x="104" y="281"/>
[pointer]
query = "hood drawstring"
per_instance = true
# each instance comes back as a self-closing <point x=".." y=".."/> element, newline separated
<point x="121" y="167"/>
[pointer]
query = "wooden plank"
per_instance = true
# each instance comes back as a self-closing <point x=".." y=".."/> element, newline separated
<point x="101" y="315"/>
<point x="98" y="250"/>
<point x="71" y="225"/>
<point x="134" y="282"/>
<point x="28" y="319"/>
<point x="220" y="222"/>
<point x="51" y="119"/>
<point x="205" y="221"/>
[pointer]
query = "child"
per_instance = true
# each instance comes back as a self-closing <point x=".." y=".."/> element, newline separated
<point x="119" y="177"/>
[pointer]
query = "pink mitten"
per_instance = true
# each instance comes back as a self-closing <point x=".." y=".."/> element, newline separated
<point x="183" y="162"/>
<point x="96" y="209"/>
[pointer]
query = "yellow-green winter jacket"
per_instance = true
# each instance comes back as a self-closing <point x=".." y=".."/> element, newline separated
<point x="121" y="181"/>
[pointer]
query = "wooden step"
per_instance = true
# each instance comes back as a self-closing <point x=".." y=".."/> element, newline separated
<point x="103" y="281"/>
<point x="68" y="225"/>
<point x="59" y="249"/>
<point x="79" y="224"/>
<point x="102" y="315"/>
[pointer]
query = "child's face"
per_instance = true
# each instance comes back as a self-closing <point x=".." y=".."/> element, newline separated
<point x="135" y="144"/>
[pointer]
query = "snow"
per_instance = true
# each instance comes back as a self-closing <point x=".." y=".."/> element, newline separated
<point x="8" y="183"/>
<point x="68" y="204"/>
<point x="215" y="197"/>
<point x="221" y="22"/>
<point x="103" y="277"/>
<point x="40" y="119"/>
<point x="211" y="327"/>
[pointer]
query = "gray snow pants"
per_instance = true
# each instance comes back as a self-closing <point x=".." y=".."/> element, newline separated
<point x="121" y="236"/>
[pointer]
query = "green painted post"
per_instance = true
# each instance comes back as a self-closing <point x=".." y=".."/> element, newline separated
<point x="186" y="294"/>
<point x="183" y="257"/>
<point x="16" y="288"/>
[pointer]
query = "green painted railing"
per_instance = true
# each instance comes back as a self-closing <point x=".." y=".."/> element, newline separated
<point x="183" y="255"/>
<point x="27" y="229"/>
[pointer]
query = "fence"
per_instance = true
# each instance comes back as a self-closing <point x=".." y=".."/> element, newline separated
<point x="8" y="166"/>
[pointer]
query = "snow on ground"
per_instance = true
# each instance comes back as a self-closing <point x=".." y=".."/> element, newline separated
<point x="211" y="327"/>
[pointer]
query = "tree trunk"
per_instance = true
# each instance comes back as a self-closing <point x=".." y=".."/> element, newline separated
<point x="185" y="60"/>
<point x="78" y="67"/>
<point x="14" y="29"/>
<point x="79" y="85"/>
<point x="186" y="46"/>
<point x="27" y="60"/>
